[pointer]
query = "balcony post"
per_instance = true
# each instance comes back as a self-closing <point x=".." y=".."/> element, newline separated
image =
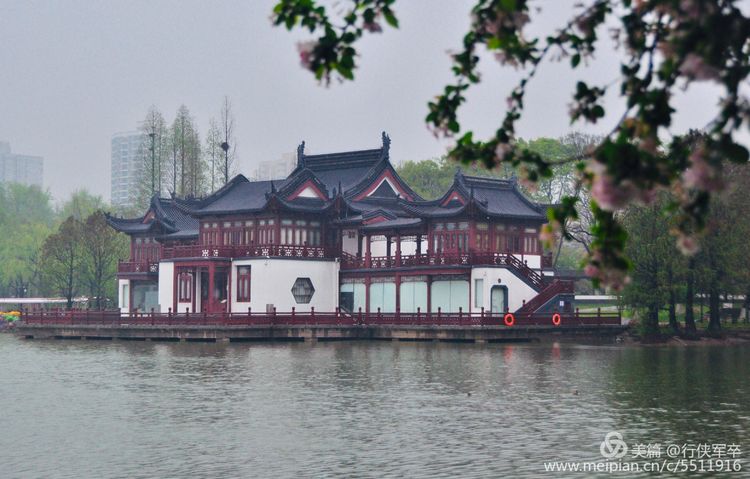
<point x="211" y="272"/>
<point x="398" y="250"/>
<point x="388" y="248"/>
<point x="419" y="245"/>
<point x="368" y="255"/>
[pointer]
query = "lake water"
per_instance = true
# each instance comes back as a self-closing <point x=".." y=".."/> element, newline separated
<point x="77" y="409"/>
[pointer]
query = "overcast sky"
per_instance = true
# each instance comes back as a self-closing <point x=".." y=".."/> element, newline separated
<point x="73" y="72"/>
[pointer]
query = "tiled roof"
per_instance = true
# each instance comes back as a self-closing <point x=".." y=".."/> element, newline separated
<point x="498" y="197"/>
<point x="239" y="195"/>
<point x="170" y="215"/>
<point x="339" y="176"/>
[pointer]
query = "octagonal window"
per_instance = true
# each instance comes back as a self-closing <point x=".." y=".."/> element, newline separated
<point x="303" y="290"/>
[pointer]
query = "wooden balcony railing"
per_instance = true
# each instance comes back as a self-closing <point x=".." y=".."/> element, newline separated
<point x="150" y="267"/>
<point x="450" y="259"/>
<point x="241" y="251"/>
<point x="315" y="318"/>
<point x="555" y="288"/>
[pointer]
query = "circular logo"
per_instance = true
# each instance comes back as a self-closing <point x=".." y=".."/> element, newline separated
<point x="613" y="447"/>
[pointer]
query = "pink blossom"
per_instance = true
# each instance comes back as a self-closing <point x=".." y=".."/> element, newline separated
<point x="505" y="59"/>
<point x="547" y="234"/>
<point x="701" y="175"/>
<point x="591" y="271"/>
<point x="687" y="245"/>
<point x="525" y="181"/>
<point x="372" y="27"/>
<point x="608" y="195"/>
<point x="692" y="8"/>
<point x="502" y="151"/>
<point x="612" y="278"/>
<point x="306" y="50"/>
<point x="695" y="68"/>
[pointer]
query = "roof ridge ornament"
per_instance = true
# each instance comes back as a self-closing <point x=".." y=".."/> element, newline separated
<point x="386" y="144"/>
<point x="301" y="154"/>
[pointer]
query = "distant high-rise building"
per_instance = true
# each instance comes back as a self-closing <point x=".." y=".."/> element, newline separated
<point x="126" y="168"/>
<point x="276" y="169"/>
<point x="15" y="168"/>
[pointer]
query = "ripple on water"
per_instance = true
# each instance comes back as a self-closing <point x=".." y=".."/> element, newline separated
<point x="82" y="409"/>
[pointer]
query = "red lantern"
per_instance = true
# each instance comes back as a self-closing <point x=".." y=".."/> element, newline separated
<point x="509" y="319"/>
<point x="556" y="319"/>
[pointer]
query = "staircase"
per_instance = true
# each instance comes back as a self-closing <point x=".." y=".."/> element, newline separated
<point x="552" y="290"/>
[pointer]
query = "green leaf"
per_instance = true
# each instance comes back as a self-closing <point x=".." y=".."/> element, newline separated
<point x="390" y="18"/>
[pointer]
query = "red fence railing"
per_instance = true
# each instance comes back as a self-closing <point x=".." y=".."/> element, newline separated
<point x="450" y="259"/>
<point x="314" y="318"/>
<point x="239" y="251"/>
<point x="138" y="267"/>
<point x="553" y="289"/>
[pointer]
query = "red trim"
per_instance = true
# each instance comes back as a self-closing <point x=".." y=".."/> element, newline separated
<point x="307" y="184"/>
<point x="394" y="182"/>
<point x="454" y="196"/>
<point x="375" y="219"/>
<point x="174" y="288"/>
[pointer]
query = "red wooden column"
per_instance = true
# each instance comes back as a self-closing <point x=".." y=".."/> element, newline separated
<point x="398" y="288"/>
<point x="367" y="293"/>
<point x="211" y="273"/>
<point x="174" y="289"/>
<point x="429" y="294"/>
<point x="194" y="290"/>
<point x="398" y="250"/>
<point x="228" y="309"/>
<point x="472" y="246"/>
<point x="368" y="256"/>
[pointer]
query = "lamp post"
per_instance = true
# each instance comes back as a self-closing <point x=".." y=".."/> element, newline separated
<point x="225" y="147"/>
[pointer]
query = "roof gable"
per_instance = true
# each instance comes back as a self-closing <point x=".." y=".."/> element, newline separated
<point x="379" y="185"/>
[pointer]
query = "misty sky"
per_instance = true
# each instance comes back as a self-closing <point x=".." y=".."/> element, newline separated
<point x="73" y="72"/>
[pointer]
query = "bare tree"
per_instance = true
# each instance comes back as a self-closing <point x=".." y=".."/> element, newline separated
<point x="154" y="156"/>
<point x="580" y="145"/>
<point x="229" y="142"/>
<point x="214" y="156"/>
<point x="188" y="169"/>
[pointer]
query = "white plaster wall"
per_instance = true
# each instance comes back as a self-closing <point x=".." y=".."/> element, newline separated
<point x="166" y="288"/>
<point x="407" y="248"/>
<point x="518" y="291"/>
<point x="349" y="245"/>
<point x="198" y="296"/>
<point x="272" y="279"/>
<point x="379" y="246"/>
<point x="123" y="297"/>
<point x="533" y="261"/>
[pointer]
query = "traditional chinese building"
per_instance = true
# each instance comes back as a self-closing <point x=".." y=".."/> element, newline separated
<point x="342" y="230"/>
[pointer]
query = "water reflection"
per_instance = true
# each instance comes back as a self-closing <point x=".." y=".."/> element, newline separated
<point x="117" y="409"/>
